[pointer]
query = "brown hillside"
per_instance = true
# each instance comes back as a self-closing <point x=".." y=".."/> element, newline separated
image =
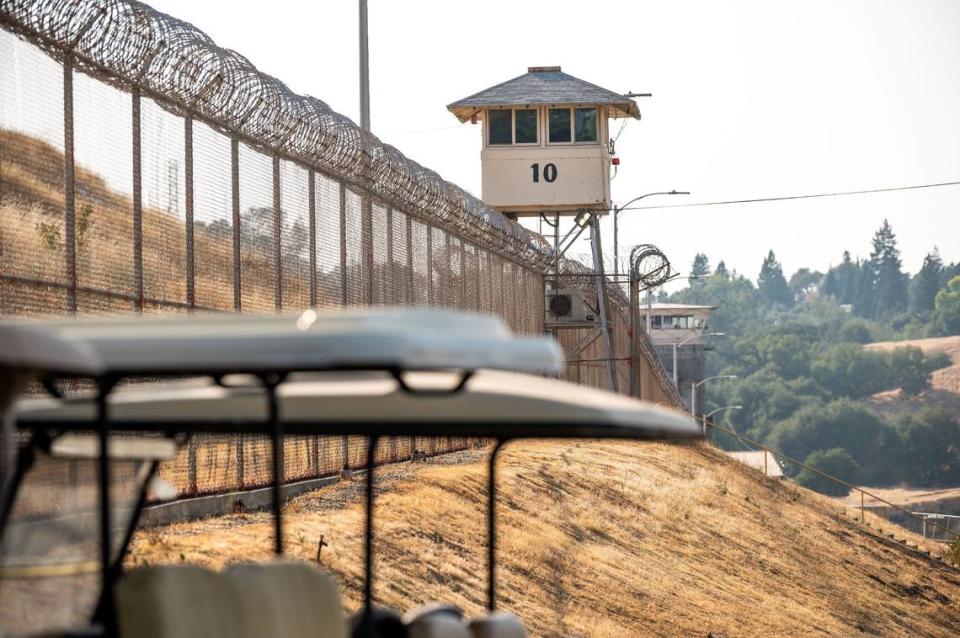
<point x="607" y="540"/>
<point x="32" y="242"/>
<point x="945" y="383"/>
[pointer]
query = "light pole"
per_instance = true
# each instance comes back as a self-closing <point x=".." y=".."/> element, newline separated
<point x="693" y="390"/>
<point x="616" y="214"/>
<point x="677" y="346"/>
<point x="712" y="412"/>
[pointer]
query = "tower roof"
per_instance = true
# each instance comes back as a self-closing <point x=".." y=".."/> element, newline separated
<point x="544" y="85"/>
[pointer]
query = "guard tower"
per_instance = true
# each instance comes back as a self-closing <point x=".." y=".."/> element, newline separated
<point x="547" y="152"/>
<point x="545" y="142"/>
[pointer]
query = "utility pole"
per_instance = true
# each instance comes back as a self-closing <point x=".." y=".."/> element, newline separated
<point x="364" y="70"/>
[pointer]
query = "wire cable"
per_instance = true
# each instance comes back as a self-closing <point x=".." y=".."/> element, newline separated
<point x="792" y="197"/>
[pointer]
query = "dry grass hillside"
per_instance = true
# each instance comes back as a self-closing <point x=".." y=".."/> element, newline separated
<point x="606" y="540"/>
<point x="945" y="383"/>
<point x="32" y="241"/>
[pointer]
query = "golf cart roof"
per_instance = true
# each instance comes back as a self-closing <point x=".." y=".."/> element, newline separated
<point x="381" y="339"/>
<point x="490" y="404"/>
<point x="30" y="348"/>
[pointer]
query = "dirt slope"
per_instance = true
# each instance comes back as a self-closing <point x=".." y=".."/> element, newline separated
<point x="945" y="383"/>
<point x="607" y="540"/>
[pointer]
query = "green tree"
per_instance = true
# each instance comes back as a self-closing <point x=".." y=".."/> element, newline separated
<point x="889" y="280"/>
<point x="699" y="269"/>
<point x="909" y="370"/>
<point x="926" y="283"/>
<point x="844" y="424"/>
<point x="855" y="331"/>
<point x="804" y="281"/>
<point x="946" y="314"/>
<point x="721" y="270"/>
<point x="847" y="370"/>
<point x="931" y="447"/>
<point x="864" y="292"/>
<point x="831" y="285"/>
<point x="835" y="462"/>
<point x="771" y="284"/>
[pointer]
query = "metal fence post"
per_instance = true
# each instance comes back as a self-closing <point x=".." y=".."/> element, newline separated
<point x="238" y="441"/>
<point x="137" y="200"/>
<point x="366" y="248"/>
<point x="410" y="294"/>
<point x="392" y="283"/>
<point x="188" y="205"/>
<point x="343" y="245"/>
<point x="69" y="188"/>
<point x="312" y="212"/>
<point x="192" y="487"/>
<point x="277" y="238"/>
<point x="235" y="201"/>
<point x="430" y="294"/>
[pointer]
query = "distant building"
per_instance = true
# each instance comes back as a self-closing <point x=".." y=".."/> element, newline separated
<point x="672" y="324"/>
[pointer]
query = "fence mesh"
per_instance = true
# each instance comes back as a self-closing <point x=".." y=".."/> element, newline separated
<point x="143" y="178"/>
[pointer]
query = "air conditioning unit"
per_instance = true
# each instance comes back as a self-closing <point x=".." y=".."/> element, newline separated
<point x="567" y="306"/>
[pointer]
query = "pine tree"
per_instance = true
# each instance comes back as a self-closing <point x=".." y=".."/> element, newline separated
<point x="721" y="270"/>
<point x="701" y="265"/>
<point x="924" y="287"/>
<point x="771" y="283"/>
<point x="847" y="279"/>
<point x="831" y="285"/>
<point x="699" y="270"/>
<point x="864" y="298"/>
<point x="890" y="283"/>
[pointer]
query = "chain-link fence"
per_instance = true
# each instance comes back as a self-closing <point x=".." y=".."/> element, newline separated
<point x="145" y="169"/>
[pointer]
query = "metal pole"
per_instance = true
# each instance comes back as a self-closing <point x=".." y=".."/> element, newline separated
<point x="649" y="308"/>
<point x="693" y="399"/>
<point x="675" y="368"/>
<point x="602" y="301"/>
<point x="616" y="245"/>
<point x="188" y="204"/>
<point x="235" y="201"/>
<point x="343" y="245"/>
<point x="364" y="70"/>
<point x="137" y="200"/>
<point x="312" y="204"/>
<point x="634" y="336"/>
<point x="277" y="238"/>
<point x="69" y="188"/>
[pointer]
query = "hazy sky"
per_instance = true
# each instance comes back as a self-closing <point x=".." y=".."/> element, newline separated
<point x="751" y="99"/>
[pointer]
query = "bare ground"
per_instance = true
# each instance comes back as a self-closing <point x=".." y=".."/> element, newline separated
<point x="606" y="540"/>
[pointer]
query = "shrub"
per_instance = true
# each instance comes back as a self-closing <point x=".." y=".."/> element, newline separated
<point x="835" y="462"/>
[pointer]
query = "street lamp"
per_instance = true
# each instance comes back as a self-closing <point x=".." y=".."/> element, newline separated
<point x="616" y="214"/>
<point x="676" y="347"/>
<point x="712" y="412"/>
<point x="693" y="390"/>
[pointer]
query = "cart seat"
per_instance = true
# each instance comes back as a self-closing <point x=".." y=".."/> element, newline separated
<point x="285" y="599"/>
<point x="178" y="601"/>
<point x="288" y="599"/>
<point x="497" y="625"/>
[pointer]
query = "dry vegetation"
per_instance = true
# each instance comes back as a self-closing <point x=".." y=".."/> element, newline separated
<point x="606" y="540"/>
<point x="945" y="383"/>
<point x="32" y="242"/>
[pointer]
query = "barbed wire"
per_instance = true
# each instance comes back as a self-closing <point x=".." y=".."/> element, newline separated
<point x="130" y="44"/>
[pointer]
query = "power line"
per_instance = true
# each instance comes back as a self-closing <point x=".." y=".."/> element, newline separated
<point x="791" y="197"/>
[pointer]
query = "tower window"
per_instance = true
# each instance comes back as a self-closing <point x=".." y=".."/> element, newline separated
<point x="586" y="120"/>
<point x="559" y="125"/>
<point x="525" y="125"/>
<point x="499" y="126"/>
<point x="572" y="125"/>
